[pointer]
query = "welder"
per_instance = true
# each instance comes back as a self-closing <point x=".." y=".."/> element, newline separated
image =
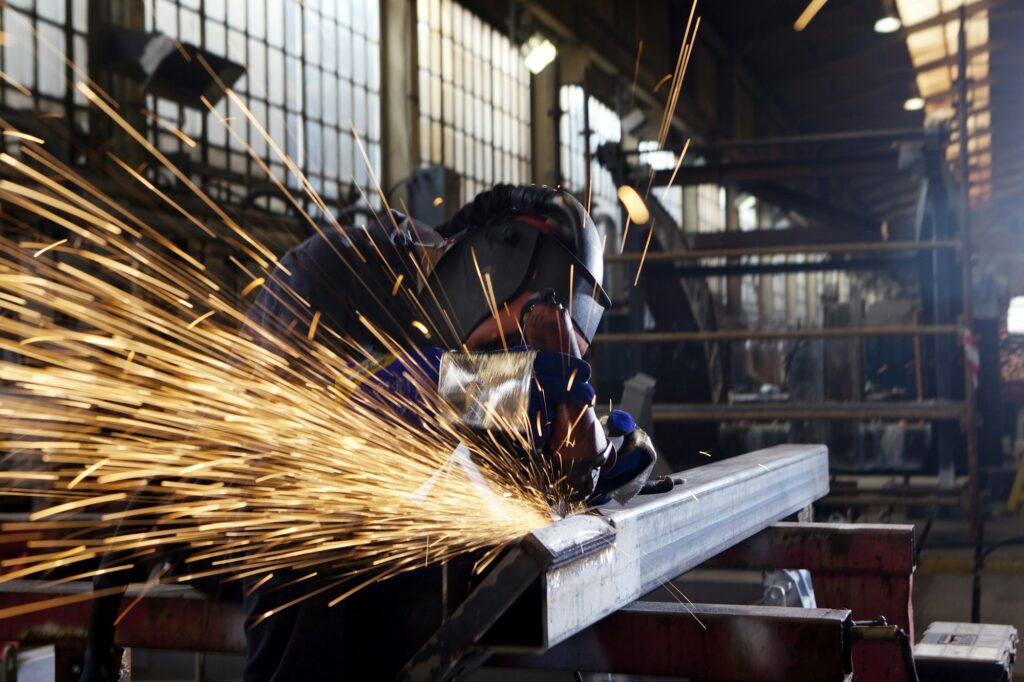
<point x="540" y="255"/>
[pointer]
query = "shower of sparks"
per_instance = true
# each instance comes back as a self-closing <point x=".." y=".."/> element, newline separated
<point x="636" y="74"/>
<point x="24" y="136"/>
<point x="682" y="61"/>
<point x="807" y="16"/>
<point x="643" y="255"/>
<point x="139" y="426"/>
<point x="636" y="206"/>
<point x="54" y="245"/>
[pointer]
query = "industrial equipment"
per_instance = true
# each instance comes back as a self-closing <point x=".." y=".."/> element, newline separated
<point x="574" y="595"/>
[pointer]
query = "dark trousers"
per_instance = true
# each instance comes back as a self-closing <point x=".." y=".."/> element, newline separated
<point x="368" y="636"/>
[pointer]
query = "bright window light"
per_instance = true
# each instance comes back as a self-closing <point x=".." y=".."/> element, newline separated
<point x="657" y="159"/>
<point x="1015" y="316"/>
<point x="538" y="52"/>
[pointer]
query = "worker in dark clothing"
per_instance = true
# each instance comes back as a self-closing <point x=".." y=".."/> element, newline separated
<point x="540" y="256"/>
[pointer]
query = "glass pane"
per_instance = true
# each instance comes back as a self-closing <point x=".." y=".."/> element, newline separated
<point x="275" y="22"/>
<point x="51" y="64"/>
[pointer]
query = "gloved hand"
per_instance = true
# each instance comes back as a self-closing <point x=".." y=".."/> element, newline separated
<point x="635" y="456"/>
<point x="552" y="387"/>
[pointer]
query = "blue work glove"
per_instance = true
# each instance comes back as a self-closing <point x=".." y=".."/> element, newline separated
<point x="398" y="383"/>
<point x="635" y="458"/>
<point x="551" y="387"/>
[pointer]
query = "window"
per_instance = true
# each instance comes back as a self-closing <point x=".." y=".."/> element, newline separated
<point x="710" y="208"/>
<point x="672" y="199"/>
<point x="37" y="36"/>
<point x="750" y="284"/>
<point x="605" y="126"/>
<point x="474" y="98"/>
<point x="1015" y="316"/>
<point x="312" y="67"/>
<point x="933" y="47"/>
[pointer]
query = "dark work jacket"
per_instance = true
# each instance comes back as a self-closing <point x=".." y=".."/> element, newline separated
<point x="370" y="635"/>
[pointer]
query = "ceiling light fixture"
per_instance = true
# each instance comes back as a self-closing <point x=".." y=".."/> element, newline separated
<point x="538" y="52"/>
<point x="889" y="22"/>
<point x="913" y="104"/>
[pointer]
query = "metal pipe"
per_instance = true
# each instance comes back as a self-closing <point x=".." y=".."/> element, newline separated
<point x="744" y="334"/>
<point x="851" y="247"/>
<point x="601" y="563"/>
<point x="933" y="410"/>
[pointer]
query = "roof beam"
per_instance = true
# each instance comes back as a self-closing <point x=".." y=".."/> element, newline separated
<point x="782" y="169"/>
<point x="814" y="208"/>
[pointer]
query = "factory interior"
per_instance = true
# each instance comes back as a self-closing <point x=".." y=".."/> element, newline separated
<point x="494" y="340"/>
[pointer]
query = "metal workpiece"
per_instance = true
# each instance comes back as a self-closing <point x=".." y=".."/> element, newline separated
<point x="602" y="562"/>
<point x="707" y="642"/>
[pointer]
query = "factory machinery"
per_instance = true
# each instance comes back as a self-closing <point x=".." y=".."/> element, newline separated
<point x="570" y="597"/>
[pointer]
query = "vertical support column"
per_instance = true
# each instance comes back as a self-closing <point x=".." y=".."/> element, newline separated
<point x="544" y="120"/>
<point x="973" y="464"/>
<point x="398" y="63"/>
<point x="103" y="18"/>
<point x="947" y="437"/>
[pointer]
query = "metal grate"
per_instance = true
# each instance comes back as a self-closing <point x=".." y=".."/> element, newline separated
<point x="474" y="98"/>
<point x="312" y="67"/>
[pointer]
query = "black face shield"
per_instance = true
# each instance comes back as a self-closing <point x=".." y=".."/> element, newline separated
<point x="536" y="239"/>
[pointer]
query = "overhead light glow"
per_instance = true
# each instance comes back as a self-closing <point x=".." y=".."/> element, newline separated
<point x="635" y="206"/>
<point x="538" y="52"/>
<point x="888" y="24"/>
<point x="913" y="104"/>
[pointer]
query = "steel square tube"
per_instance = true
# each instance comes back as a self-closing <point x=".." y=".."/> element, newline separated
<point x="603" y="561"/>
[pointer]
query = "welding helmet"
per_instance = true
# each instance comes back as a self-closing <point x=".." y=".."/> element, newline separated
<point x="519" y="238"/>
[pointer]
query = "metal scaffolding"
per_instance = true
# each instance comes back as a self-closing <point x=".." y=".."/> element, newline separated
<point x="939" y="253"/>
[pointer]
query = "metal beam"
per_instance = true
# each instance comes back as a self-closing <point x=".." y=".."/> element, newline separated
<point x="601" y="563"/>
<point x="783" y="249"/>
<point x="836" y="411"/>
<point x="768" y="236"/>
<point x="708" y="642"/>
<point x="782" y="169"/>
<point x="772" y="335"/>
<point x="814" y="208"/>
<point x="842" y="137"/>
<point x="827" y="265"/>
